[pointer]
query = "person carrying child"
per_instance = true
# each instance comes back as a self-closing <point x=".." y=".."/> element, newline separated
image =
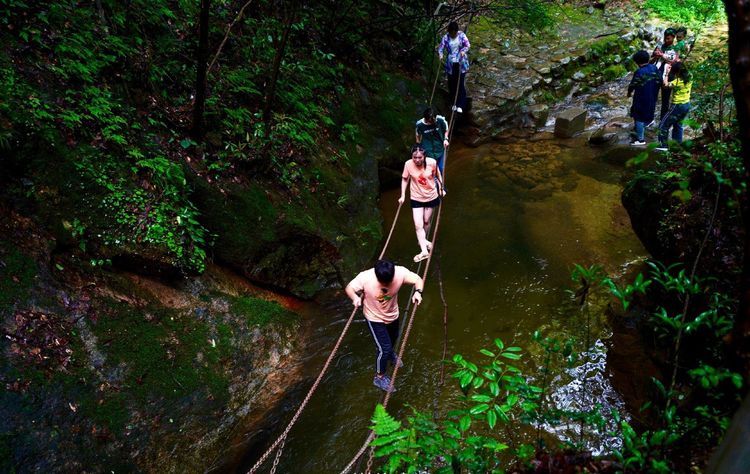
<point x="663" y="57"/>
<point x="644" y="87"/>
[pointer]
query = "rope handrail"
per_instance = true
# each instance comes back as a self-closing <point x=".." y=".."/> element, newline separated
<point x="451" y="124"/>
<point x="402" y="348"/>
<point x="280" y="440"/>
<point x="279" y="443"/>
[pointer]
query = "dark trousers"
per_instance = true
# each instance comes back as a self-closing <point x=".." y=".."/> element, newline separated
<point x="385" y="336"/>
<point x="666" y="95"/>
<point x="456" y="79"/>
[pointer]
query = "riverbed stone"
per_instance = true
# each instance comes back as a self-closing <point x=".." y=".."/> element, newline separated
<point x="570" y="122"/>
<point x="538" y="113"/>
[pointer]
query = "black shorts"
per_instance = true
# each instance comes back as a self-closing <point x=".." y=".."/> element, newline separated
<point x="433" y="203"/>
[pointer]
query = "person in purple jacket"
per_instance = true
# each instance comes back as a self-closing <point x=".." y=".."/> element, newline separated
<point x="644" y="88"/>
<point x="455" y="47"/>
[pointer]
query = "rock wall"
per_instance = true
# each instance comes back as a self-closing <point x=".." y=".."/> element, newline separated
<point x="120" y="372"/>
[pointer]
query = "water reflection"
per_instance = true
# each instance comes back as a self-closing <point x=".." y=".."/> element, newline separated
<point x="517" y="217"/>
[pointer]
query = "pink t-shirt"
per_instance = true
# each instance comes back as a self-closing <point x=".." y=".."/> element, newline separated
<point x="422" y="184"/>
<point x="380" y="302"/>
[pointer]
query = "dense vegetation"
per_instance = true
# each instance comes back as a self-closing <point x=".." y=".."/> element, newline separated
<point x="157" y="136"/>
<point x="684" y="308"/>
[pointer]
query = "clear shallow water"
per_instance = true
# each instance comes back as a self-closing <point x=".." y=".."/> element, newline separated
<point x="518" y="215"/>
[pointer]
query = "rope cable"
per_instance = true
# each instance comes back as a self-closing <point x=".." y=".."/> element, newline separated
<point x="280" y="441"/>
<point x="371" y="435"/>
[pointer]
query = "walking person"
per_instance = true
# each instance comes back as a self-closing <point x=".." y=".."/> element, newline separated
<point x="425" y="182"/>
<point x="644" y="87"/>
<point x="376" y="290"/>
<point x="456" y="46"/>
<point x="678" y="110"/>
<point x="432" y="133"/>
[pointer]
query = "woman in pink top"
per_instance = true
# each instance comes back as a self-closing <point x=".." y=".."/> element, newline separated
<point x="377" y="290"/>
<point x="425" y="189"/>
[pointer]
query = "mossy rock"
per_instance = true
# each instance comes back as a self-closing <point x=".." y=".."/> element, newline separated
<point x="17" y="274"/>
<point x="614" y="72"/>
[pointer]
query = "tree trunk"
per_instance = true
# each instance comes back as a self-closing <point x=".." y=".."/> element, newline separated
<point x="275" y="70"/>
<point x="738" y="15"/>
<point x="202" y="66"/>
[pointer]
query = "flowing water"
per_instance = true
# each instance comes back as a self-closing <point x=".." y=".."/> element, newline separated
<point x="517" y="216"/>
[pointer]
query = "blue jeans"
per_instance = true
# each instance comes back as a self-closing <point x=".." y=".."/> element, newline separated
<point x="385" y="336"/>
<point x="673" y="119"/>
<point x="639" y="129"/>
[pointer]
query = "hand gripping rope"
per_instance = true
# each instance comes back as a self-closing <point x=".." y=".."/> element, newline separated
<point x="279" y="442"/>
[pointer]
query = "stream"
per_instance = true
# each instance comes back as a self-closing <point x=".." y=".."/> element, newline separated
<point x="518" y="215"/>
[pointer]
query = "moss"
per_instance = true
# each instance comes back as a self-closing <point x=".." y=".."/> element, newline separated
<point x="614" y="71"/>
<point x="17" y="273"/>
<point x="160" y="349"/>
<point x="260" y="312"/>
<point x="243" y="219"/>
<point x="110" y="411"/>
<point x="605" y="46"/>
<point x="547" y="97"/>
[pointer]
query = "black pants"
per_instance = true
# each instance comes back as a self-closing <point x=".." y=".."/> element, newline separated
<point x="385" y="336"/>
<point x="457" y="78"/>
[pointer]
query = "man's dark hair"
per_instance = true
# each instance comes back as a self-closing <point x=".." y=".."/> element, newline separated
<point x="670" y="32"/>
<point x="428" y="114"/>
<point x="384" y="271"/>
<point x="417" y="146"/>
<point x="680" y="29"/>
<point x="641" y="57"/>
<point x="452" y="26"/>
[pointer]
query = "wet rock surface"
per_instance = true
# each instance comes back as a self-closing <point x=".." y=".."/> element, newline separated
<point x="510" y="69"/>
<point x="111" y="371"/>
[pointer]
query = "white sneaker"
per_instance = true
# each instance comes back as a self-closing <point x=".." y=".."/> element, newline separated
<point x="459" y="110"/>
<point x="661" y="148"/>
<point x="637" y="143"/>
<point x="453" y="108"/>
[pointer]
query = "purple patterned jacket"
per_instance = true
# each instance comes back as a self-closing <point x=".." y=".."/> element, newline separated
<point x="445" y="46"/>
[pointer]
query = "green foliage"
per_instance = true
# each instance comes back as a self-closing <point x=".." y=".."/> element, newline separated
<point x="712" y="385"/>
<point x="690" y="13"/>
<point x="613" y="72"/>
<point x="495" y="393"/>
<point x="534" y="15"/>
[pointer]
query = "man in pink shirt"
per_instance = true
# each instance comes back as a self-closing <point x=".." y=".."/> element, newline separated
<point x="377" y="290"/>
<point x="425" y="182"/>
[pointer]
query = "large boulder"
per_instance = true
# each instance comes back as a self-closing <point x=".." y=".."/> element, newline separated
<point x="570" y="122"/>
